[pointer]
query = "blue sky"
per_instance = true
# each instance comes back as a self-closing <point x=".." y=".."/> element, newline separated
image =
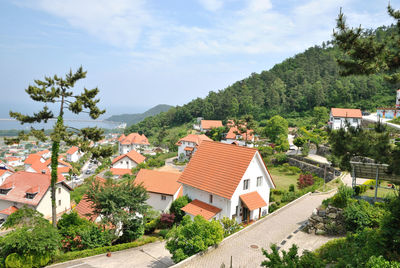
<point x="142" y="53"/>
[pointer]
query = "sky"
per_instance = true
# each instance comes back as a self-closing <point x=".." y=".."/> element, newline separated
<point x="143" y="53"/>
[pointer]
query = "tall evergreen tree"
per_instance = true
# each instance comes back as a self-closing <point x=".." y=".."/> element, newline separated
<point x="58" y="90"/>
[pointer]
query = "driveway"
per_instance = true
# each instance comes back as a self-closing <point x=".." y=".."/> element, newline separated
<point x="150" y="255"/>
<point x="282" y="228"/>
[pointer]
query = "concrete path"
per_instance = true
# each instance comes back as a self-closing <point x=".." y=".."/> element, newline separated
<point x="150" y="255"/>
<point x="374" y="118"/>
<point x="281" y="228"/>
<point x="347" y="180"/>
<point x="318" y="158"/>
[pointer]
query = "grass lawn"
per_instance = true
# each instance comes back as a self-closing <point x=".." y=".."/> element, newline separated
<point x="283" y="179"/>
<point x="382" y="192"/>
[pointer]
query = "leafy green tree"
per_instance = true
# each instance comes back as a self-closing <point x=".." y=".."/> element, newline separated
<point x="320" y="115"/>
<point x="276" y="127"/>
<point x="176" y="206"/>
<point x="118" y="205"/>
<point x="230" y="226"/>
<point x="191" y="237"/>
<point x="57" y="90"/>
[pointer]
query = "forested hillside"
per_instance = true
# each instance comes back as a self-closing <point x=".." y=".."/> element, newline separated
<point x="291" y="89"/>
<point x="136" y="118"/>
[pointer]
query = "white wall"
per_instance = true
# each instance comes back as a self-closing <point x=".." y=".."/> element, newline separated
<point x="340" y="122"/>
<point x="126" y="148"/>
<point x="157" y="204"/>
<point x="181" y="148"/>
<point x="44" y="206"/>
<point x="4" y="176"/>
<point x="125" y="162"/>
<point x="73" y="157"/>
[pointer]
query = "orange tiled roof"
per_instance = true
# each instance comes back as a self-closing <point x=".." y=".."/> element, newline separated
<point x="209" y="124"/>
<point x="232" y="134"/>
<point x="72" y="150"/>
<point x="120" y="171"/>
<point x="23" y="181"/>
<point x="348" y="113"/>
<point x="32" y="158"/>
<point x="135" y="156"/>
<point x="12" y="158"/>
<point x="197" y="139"/>
<point x="121" y="138"/>
<point x="197" y="207"/>
<point x="134" y="138"/>
<point x="9" y="210"/>
<point x="253" y="200"/>
<point x="43" y="152"/>
<point x="217" y="167"/>
<point x="189" y="149"/>
<point x="2" y="171"/>
<point x="159" y="181"/>
<point x="85" y="210"/>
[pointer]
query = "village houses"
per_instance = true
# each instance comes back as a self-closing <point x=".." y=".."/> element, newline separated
<point x="240" y="137"/>
<point x="341" y="118"/>
<point x="128" y="161"/>
<point x="188" y="145"/>
<point x="73" y="154"/>
<point x="207" y="125"/>
<point x="226" y="180"/>
<point x="133" y="141"/>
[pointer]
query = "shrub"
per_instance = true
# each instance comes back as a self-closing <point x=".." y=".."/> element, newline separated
<point x="176" y="206"/>
<point x="151" y="226"/>
<point x="291" y="188"/>
<point x="342" y="197"/>
<point x="163" y="233"/>
<point x="305" y="180"/>
<point x="380" y="262"/>
<point x="288" y="196"/>
<point x="276" y="192"/>
<point x="360" y="214"/>
<point x="167" y="220"/>
<point x="390" y="231"/>
<point x="294" y="170"/>
<point x="281" y="158"/>
<point x="272" y="207"/>
<point x="132" y="229"/>
<point x="290" y="258"/>
<point x="230" y="226"/>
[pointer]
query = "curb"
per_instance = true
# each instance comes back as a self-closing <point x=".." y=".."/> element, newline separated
<point x="212" y="248"/>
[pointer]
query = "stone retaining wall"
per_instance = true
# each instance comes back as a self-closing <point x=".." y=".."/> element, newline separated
<point x="308" y="165"/>
<point x="326" y="221"/>
<point x="323" y="150"/>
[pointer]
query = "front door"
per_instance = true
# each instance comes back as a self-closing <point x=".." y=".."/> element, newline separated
<point x="245" y="215"/>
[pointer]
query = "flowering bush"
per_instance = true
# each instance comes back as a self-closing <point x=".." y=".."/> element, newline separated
<point x="305" y="180"/>
<point x="167" y="220"/>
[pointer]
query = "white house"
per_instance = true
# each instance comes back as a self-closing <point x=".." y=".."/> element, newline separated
<point x="133" y="141"/>
<point x="45" y="167"/>
<point x="207" y="125"/>
<point x="188" y="145"/>
<point x="225" y="180"/>
<point x="234" y="136"/>
<point x="45" y="154"/>
<point x="73" y="154"/>
<point x="340" y="118"/>
<point x="163" y="187"/>
<point x="32" y="189"/>
<point x="14" y="161"/>
<point x="33" y="158"/>
<point x="128" y="160"/>
<point x="4" y="174"/>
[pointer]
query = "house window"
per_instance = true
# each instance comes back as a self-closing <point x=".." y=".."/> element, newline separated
<point x="246" y="184"/>
<point x="59" y="202"/>
<point x="127" y="162"/>
<point x="30" y="195"/>
<point x="163" y="197"/>
<point x="59" y="190"/>
<point x="211" y="198"/>
<point x="122" y="162"/>
<point x="4" y="191"/>
<point x="355" y="120"/>
<point x="259" y="181"/>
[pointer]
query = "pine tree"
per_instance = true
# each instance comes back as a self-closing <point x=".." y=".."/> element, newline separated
<point x="57" y="90"/>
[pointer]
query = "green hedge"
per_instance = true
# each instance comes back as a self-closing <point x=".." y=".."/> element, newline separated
<point x="91" y="252"/>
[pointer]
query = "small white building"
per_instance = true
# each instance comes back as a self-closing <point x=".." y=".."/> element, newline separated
<point x="341" y="118"/>
<point x="45" y="154"/>
<point x="226" y="180"/>
<point x="4" y="174"/>
<point x="133" y="141"/>
<point x="163" y="187"/>
<point x="32" y="189"/>
<point x="128" y="160"/>
<point x="73" y="154"/>
<point x="188" y="145"/>
<point x="234" y="136"/>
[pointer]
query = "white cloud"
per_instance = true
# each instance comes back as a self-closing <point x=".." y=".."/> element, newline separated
<point x="211" y="5"/>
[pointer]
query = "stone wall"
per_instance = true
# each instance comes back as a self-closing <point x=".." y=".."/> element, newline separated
<point x="308" y="165"/>
<point x="323" y="150"/>
<point x="326" y="221"/>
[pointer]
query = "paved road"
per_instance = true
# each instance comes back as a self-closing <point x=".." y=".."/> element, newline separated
<point x="374" y="118"/>
<point x="151" y="255"/>
<point x="280" y="228"/>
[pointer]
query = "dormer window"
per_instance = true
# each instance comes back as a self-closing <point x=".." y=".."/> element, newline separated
<point x="30" y="195"/>
<point x="5" y="191"/>
<point x="5" y="188"/>
<point x="31" y="192"/>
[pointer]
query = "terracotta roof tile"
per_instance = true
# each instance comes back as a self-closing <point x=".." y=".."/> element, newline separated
<point x="133" y="155"/>
<point x="253" y="200"/>
<point x="197" y="207"/>
<point x="9" y="210"/>
<point x="134" y="138"/>
<point x="348" y="113"/>
<point x="197" y="139"/>
<point x="85" y="209"/>
<point x="189" y="149"/>
<point x="232" y="134"/>
<point x="217" y="167"/>
<point x="43" y="152"/>
<point x="209" y="124"/>
<point x="32" y="158"/>
<point x="72" y="150"/>
<point x="120" y="171"/>
<point x="159" y="181"/>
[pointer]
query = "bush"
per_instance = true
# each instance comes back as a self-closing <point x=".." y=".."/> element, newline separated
<point x="151" y="226"/>
<point x="132" y="229"/>
<point x="276" y="192"/>
<point x="163" y="233"/>
<point x="176" y="206"/>
<point x="167" y="220"/>
<point x="281" y="158"/>
<point x="380" y="262"/>
<point x="305" y="180"/>
<point x="290" y="258"/>
<point x="360" y="215"/>
<point x="288" y="196"/>
<point x="272" y="207"/>
<point x="230" y="226"/>
<point x="291" y="188"/>
<point x="342" y="197"/>
<point x="294" y="170"/>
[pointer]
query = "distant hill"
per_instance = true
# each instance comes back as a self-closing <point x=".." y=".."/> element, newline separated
<point x="130" y="119"/>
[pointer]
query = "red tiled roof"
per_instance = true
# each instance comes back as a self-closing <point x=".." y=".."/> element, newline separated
<point x="43" y="152"/>
<point x="253" y="200"/>
<point x="197" y="207"/>
<point x="85" y="209"/>
<point x="12" y="158"/>
<point x="23" y="181"/>
<point x="2" y="171"/>
<point x="72" y="150"/>
<point x="209" y="124"/>
<point x="348" y="113"/>
<point x="134" y="138"/>
<point x="197" y="139"/>
<point x="32" y="158"/>
<point x="133" y="155"/>
<point x="217" y="168"/>
<point x="159" y="181"/>
<point x="189" y="149"/>
<point x="120" y="171"/>
<point x="9" y="210"/>
<point x="232" y="134"/>
<point x="121" y="138"/>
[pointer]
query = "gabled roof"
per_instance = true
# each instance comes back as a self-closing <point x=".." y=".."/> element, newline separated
<point x="85" y="209"/>
<point x="133" y="155"/>
<point x="22" y="182"/>
<point x="159" y="181"/>
<point x="3" y="171"/>
<point x="134" y="138"/>
<point x="9" y="210"/>
<point x="197" y="207"/>
<point x="197" y="139"/>
<point x="32" y="158"/>
<point x="232" y="134"/>
<point x="217" y="168"/>
<point x="347" y="113"/>
<point x="253" y="200"/>
<point x="209" y="124"/>
<point x="120" y="171"/>
<point x="72" y="150"/>
<point x="121" y="138"/>
<point x="43" y="152"/>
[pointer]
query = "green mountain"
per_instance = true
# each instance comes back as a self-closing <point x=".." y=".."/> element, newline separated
<point x="130" y="119"/>
<point x="291" y="88"/>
